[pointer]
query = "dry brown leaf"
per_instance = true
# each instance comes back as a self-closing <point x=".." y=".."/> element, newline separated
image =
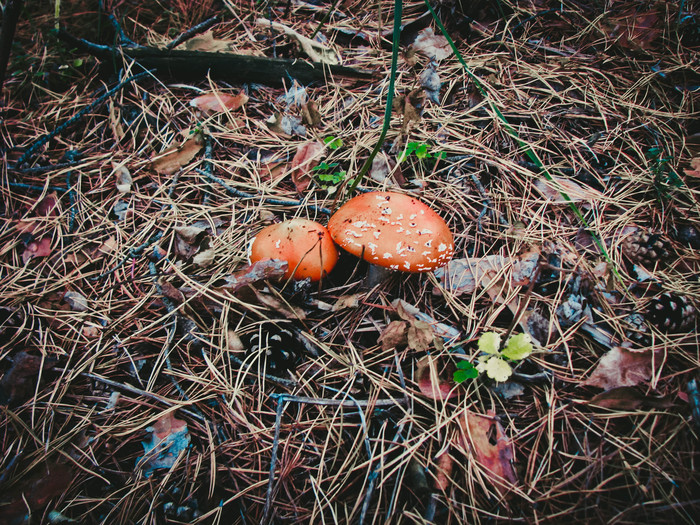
<point x="274" y="303"/>
<point x="218" y="102"/>
<point x="628" y="398"/>
<point x="435" y="47"/>
<point x="175" y="157"/>
<point x="484" y="436"/>
<point x="435" y="378"/>
<point x="40" y="248"/>
<point x="314" y="50"/>
<point x="310" y="115"/>
<point x="207" y="42"/>
<point x="443" y="471"/>
<point x="305" y="160"/>
<point x="552" y="190"/>
<point x="694" y="170"/>
<point x="347" y="301"/>
<point x="621" y="367"/>
<point x="19" y="382"/>
<point x="123" y="177"/>
<point x="394" y="335"/>
<point x="271" y="269"/>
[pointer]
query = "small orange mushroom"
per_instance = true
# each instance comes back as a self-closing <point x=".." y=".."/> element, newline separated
<point x="306" y="246"/>
<point x="393" y="230"/>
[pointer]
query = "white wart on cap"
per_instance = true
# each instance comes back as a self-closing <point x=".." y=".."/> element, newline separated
<point x="393" y="230"/>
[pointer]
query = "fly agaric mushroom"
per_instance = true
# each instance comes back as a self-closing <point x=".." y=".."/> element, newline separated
<point x="305" y="245"/>
<point x="393" y="230"/>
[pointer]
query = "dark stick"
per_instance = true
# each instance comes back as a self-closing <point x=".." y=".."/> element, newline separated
<point x="10" y="15"/>
<point x="38" y="143"/>
<point x="192" y="31"/>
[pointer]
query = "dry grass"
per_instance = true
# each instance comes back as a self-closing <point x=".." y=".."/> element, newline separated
<point x="591" y="103"/>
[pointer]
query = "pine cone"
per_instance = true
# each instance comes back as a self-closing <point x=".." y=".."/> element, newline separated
<point x="646" y="248"/>
<point x="671" y="313"/>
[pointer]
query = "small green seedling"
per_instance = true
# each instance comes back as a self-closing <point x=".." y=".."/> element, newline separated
<point x="496" y="363"/>
<point x="664" y="175"/>
<point x="333" y="142"/>
<point x="421" y="150"/>
<point x="327" y="175"/>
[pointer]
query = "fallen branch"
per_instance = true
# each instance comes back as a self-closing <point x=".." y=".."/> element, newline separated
<point x="193" y="65"/>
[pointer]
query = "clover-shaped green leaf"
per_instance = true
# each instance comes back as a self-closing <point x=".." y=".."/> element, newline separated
<point x="490" y="343"/>
<point x="518" y="347"/>
<point x="465" y="370"/>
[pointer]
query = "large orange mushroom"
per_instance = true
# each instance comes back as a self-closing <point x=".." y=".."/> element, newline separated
<point x="305" y="245"/>
<point x="393" y="230"/>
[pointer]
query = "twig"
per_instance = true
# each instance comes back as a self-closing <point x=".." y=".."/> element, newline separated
<point x="133" y="253"/>
<point x="75" y="118"/>
<point x="192" y="31"/>
<point x="243" y="195"/>
<point x="273" y="461"/>
<point x="140" y="392"/>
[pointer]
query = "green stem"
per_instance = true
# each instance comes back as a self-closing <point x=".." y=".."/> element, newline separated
<point x="389" y="99"/>
<point x="527" y="149"/>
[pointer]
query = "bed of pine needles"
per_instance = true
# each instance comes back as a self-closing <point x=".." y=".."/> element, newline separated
<point x="112" y="329"/>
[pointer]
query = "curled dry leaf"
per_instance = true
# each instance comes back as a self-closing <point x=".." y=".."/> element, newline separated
<point x="271" y="269"/>
<point x="40" y="248"/>
<point x="218" y="102"/>
<point x="434" y="377"/>
<point x="555" y="189"/>
<point x="628" y="398"/>
<point x="123" y="177"/>
<point x="485" y="438"/>
<point x="169" y="437"/>
<point x="306" y="159"/>
<point x="435" y="47"/>
<point x="314" y="50"/>
<point x="622" y="367"/>
<point x="77" y="301"/>
<point x="443" y="471"/>
<point x="175" y="157"/>
<point x="206" y="42"/>
<point x="394" y="335"/>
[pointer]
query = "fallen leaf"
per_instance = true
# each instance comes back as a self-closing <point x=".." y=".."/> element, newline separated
<point x="621" y="367"/>
<point x="169" y="438"/>
<point x="555" y="189"/>
<point x="443" y="471"/>
<point x="278" y="305"/>
<point x="175" y="157"/>
<point x="435" y="378"/>
<point x="204" y="258"/>
<point x="410" y="107"/>
<point x="435" y="47"/>
<point x="40" y="248"/>
<point x="218" y="102"/>
<point x="19" y="382"/>
<point x="694" y="170"/>
<point x="347" y="301"/>
<point x="633" y="29"/>
<point x="34" y="492"/>
<point x="77" y="301"/>
<point x="431" y="83"/>
<point x="628" y="398"/>
<point x="310" y="115"/>
<point x="485" y="438"/>
<point x="207" y="42"/>
<point x="271" y="269"/>
<point x="47" y="206"/>
<point x="394" y="335"/>
<point x="306" y="159"/>
<point x="123" y="177"/>
<point x="286" y="125"/>
<point x="189" y="240"/>
<point x="383" y="167"/>
<point x="316" y="51"/>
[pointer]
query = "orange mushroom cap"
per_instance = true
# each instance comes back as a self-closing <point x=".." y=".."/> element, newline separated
<point x="306" y="246"/>
<point x="393" y="230"/>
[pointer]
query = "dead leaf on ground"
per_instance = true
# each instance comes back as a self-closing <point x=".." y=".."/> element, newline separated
<point x="628" y="398"/>
<point x="43" y="484"/>
<point x="410" y="107"/>
<point x="40" y="248"/>
<point x="169" y="437"/>
<point x="271" y="269"/>
<point x="305" y="160"/>
<point x="435" y="377"/>
<point x="633" y="29"/>
<point x="218" y="102"/>
<point x="554" y="189"/>
<point x="435" y="47"/>
<point x="394" y="335"/>
<point x="206" y="42"/>
<point x="176" y="157"/>
<point x="443" y="471"/>
<point x="347" y="301"/>
<point x="310" y="115"/>
<point x="316" y="51"/>
<point x="19" y="382"/>
<point x="694" y="170"/>
<point x="276" y="304"/>
<point x="485" y="438"/>
<point x="622" y="367"/>
<point x="123" y="177"/>
<point x="286" y="125"/>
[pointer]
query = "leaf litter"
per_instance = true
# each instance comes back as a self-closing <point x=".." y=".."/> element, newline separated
<point x="108" y="302"/>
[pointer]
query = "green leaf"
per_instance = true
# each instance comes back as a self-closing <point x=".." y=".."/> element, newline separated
<point x="422" y="151"/>
<point x="333" y="142"/>
<point x="518" y="347"/>
<point x="460" y="376"/>
<point x="497" y="369"/>
<point x="464" y="365"/>
<point x="490" y="342"/>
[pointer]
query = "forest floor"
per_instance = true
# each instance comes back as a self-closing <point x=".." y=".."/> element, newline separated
<point x="548" y="373"/>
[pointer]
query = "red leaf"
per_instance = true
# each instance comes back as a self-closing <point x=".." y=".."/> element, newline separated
<point x="217" y="102"/>
<point x="435" y="379"/>
<point x="305" y="160"/>
<point x="40" y="248"/>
